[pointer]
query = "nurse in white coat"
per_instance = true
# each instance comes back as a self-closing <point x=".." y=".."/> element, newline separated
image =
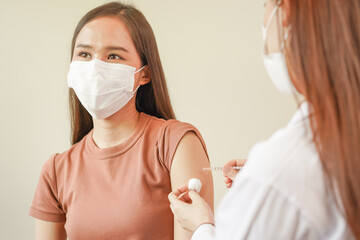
<point x="303" y="182"/>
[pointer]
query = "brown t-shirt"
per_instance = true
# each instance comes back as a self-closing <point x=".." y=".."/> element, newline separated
<point x="113" y="193"/>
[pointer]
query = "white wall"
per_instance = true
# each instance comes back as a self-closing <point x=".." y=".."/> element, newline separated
<point x="211" y="55"/>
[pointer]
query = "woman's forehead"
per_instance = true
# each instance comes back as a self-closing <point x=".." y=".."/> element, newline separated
<point x="106" y="31"/>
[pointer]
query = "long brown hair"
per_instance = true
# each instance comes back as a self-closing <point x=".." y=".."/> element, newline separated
<point x="323" y="55"/>
<point x="152" y="98"/>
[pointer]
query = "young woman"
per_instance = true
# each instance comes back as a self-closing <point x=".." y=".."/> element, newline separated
<point x="304" y="182"/>
<point x="128" y="152"/>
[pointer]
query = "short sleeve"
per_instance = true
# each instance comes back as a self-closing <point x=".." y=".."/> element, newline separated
<point x="45" y="205"/>
<point x="170" y="136"/>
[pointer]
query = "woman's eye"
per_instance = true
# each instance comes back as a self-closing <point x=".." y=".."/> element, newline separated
<point x="84" y="55"/>
<point x="115" y="57"/>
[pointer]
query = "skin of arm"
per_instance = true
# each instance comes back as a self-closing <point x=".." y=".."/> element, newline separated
<point x="45" y="230"/>
<point x="188" y="161"/>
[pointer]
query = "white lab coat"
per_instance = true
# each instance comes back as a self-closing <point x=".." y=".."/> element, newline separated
<point x="280" y="194"/>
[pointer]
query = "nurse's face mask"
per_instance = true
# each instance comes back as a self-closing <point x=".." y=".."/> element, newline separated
<point x="275" y="63"/>
<point x="102" y="88"/>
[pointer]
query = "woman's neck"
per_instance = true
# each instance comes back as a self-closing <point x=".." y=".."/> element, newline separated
<point x="115" y="129"/>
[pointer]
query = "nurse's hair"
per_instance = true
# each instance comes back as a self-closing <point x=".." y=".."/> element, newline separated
<point x="153" y="97"/>
<point x="323" y="55"/>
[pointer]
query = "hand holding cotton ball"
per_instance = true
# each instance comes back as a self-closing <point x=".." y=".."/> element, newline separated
<point x="194" y="184"/>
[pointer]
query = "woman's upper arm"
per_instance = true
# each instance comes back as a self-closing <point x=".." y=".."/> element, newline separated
<point x="45" y="230"/>
<point x="189" y="159"/>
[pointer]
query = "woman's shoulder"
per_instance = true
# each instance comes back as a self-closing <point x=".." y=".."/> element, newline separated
<point x="167" y="126"/>
<point x="65" y="157"/>
<point x="168" y="134"/>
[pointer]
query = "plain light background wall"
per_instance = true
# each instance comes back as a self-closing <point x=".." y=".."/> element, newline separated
<point x="211" y="53"/>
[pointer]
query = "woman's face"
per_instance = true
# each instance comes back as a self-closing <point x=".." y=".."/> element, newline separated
<point x="106" y="39"/>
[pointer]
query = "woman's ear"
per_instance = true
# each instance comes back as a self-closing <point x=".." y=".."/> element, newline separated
<point x="145" y="76"/>
<point x="285" y="13"/>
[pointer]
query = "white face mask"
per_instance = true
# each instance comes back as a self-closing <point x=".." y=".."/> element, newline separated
<point x="275" y="63"/>
<point x="102" y="88"/>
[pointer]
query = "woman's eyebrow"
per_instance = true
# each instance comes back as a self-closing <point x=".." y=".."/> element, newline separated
<point x="116" y="48"/>
<point x="108" y="48"/>
<point x="80" y="45"/>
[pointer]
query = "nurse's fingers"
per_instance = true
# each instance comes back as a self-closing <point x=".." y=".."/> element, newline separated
<point x="236" y="162"/>
<point x="227" y="180"/>
<point x="182" y="194"/>
<point x="185" y="197"/>
<point x="229" y="172"/>
<point x="174" y="200"/>
<point x="194" y="196"/>
<point x="181" y="190"/>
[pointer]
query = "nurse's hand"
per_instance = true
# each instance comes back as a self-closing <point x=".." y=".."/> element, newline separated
<point x="229" y="172"/>
<point x="190" y="209"/>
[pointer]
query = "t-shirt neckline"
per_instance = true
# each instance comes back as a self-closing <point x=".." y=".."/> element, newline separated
<point x="107" y="153"/>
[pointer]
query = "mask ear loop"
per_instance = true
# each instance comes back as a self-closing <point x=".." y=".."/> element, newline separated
<point x="286" y="35"/>
<point x="276" y="8"/>
<point x="135" y="90"/>
<point x="139" y="85"/>
<point x="295" y="93"/>
<point x="140" y="69"/>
